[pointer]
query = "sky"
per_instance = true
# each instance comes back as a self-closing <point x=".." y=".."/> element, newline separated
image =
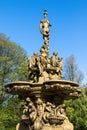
<point x="20" y="19"/>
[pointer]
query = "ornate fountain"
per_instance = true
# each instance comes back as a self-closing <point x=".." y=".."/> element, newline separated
<point x="45" y="91"/>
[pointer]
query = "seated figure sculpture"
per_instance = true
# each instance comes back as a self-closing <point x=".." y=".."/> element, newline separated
<point x="44" y="67"/>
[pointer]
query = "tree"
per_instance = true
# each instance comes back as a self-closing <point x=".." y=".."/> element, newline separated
<point x="77" y="111"/>
<point x="10" y="114"/>
<point x="71" y="71"/>
<point x="13" y="67"/>
<point x="12" y="63"/>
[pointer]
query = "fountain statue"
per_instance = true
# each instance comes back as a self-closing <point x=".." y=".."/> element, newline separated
<point x="45" y="91"/>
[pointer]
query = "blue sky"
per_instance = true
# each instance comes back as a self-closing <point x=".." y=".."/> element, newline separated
<point x="19" y="20"/>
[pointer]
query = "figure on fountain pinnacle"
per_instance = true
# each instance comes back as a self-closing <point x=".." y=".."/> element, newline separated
<point x="44" y="28"/>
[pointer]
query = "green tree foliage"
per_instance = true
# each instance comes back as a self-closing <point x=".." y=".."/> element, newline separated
<point x="77" y="111"/>
<point x="10" y="114"/>
<point x="12" y="62"/>
<point x="12" y="57"/>
<point x="71" y="70"/>
<point x="13" y="67"/>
